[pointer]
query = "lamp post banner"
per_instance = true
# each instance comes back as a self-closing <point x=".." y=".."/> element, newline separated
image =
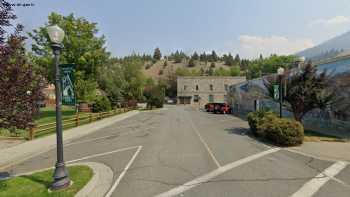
<point x="67" y="84"/>
<point x="276" y="92"/>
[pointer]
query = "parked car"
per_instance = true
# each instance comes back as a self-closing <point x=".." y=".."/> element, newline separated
<point x="209" y="107"/>
<point x="222" y="108"/>
<point x="225" y="108"/>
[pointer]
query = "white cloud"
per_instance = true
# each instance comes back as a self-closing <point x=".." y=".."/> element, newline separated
<point x="253" y="46"/>
<point x="337" y="20"/>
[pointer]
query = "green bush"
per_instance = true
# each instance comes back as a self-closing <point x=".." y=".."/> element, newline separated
<point x="101" y="104"/>
<point x="284" y="132"/>
<point x="255" y="119"/>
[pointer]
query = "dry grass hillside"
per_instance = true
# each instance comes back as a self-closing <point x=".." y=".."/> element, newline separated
<point x="159" y="71"/>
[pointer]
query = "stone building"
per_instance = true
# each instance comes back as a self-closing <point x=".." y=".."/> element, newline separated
<point x="200" y="90"/>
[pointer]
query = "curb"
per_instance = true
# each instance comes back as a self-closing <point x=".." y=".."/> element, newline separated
<point x="98" y="185"/>
<point x="100" y="182"/>
<point x="24" y="151"/>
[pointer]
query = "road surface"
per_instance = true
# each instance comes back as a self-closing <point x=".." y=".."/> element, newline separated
<point x="178" y="151"/>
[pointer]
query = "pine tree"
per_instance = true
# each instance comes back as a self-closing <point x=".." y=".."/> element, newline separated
<point x="195" y="56"/>
<point x="157" y="55"/>
<point x="214" y="56"/>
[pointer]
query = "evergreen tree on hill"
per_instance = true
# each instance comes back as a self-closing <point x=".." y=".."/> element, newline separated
<point x="195" y="56"/>
<point x="157" y="55"/>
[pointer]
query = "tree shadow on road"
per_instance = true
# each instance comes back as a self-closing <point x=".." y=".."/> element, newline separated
<point x="242" y="131"/>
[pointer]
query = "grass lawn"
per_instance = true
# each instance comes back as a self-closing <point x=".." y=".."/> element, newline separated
<point x="48" y="114"/>
<point x="38" y="183"/>
<point x="312" y="136"/>
<point x="45" y="116"/>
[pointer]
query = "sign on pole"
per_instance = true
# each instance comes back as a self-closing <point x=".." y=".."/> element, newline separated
<point x="276" y="92"/>
<point x="67" y="84"/>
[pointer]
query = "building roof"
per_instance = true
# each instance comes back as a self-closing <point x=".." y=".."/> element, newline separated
<point x="341" y="56"/>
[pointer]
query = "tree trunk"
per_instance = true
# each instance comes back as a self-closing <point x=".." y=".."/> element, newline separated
<point x="298" y="116"/>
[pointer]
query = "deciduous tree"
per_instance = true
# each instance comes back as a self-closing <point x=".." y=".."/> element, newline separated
<point x="20" y="87"/>
<point x="306" y="90"/>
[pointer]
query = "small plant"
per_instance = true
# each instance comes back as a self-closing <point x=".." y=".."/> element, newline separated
<point x="101" y="104"/>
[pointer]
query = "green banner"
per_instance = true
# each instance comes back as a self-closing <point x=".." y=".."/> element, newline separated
<point x="276" y="92"/>
<point x="67" y="84"/>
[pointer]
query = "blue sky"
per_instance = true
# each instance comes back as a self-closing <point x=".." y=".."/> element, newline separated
<point x="247" y="27"/>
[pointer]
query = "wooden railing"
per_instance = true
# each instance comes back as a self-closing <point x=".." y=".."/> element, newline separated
<point x="72" y="121"/>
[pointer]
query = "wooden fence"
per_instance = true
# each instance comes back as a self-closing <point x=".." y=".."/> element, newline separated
<point x="72" y="121"/>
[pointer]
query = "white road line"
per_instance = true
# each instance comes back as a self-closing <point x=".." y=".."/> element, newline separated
<point x="116" y="183"/>
<point x="205" y="178"/>
<point x="311" y="187"/>
<point x="103" y="154"/>
<point x="204" y="143"/>
<point x="82" y="158"/>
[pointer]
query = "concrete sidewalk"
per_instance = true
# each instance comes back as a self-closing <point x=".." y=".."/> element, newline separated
<point x="326" y="150"/>
<point x="29" y="149"/>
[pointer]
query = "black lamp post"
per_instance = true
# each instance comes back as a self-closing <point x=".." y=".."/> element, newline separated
<point x="280" y="72"/>
<point x="61" y="179"/>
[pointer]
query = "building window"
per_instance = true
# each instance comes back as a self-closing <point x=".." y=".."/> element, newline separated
<point x="185" y="87"/>
<point x="197" y="87"/>
<point x="226" y="87"/>
<point x="211" y="87"/>
<point x="225" y="98"/>
<point x="211" y="98"/>
<point x="195" y="98"/>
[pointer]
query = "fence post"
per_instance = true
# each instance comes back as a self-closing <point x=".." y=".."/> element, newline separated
<point x="77" y="119"/>
<point x="31" y="131"/>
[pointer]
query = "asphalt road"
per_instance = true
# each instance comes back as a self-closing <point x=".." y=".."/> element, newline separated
<point x="181" y="152"/>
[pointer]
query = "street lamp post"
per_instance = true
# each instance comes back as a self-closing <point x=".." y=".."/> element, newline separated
<point x="280" y="73"/>
<point x="61" y="179"/>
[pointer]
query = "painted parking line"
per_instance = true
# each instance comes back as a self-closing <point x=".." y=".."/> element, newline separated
<point x="205" y="178"/>
<point x="211" y="154"/>
<point x="315" y="184"/>
<point x="116" y="183"/>
<point x="103" y="154"/>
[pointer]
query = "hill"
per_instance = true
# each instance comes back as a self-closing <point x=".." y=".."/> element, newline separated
<point x="328" y="49"/>
<point x="159" y="71"/>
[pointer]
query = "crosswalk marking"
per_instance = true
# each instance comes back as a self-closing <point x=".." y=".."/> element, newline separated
<point x="312" y="186"/>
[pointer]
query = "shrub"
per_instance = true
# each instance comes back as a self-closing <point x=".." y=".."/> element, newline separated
<point x="165" y="64"/>
<point x="212" y="65"/>
<point x="148" y="66"/>
<point x="281" y="131"/>
<point x="101" y="104"/>
<point x="191" y="63"/>
<point x="255" y="119"/>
